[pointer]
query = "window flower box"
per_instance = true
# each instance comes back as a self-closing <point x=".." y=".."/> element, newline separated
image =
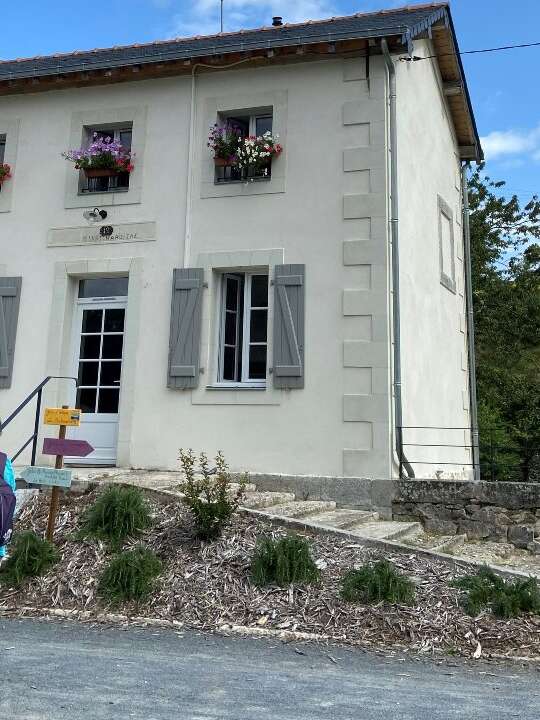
<point x="104" y="157"/>
<point x="5" y="172"/>
<point x="249" y="157"/>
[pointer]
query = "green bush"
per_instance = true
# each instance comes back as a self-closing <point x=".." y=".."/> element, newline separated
<point x="30" y="556"/>
<point x="208" y="494"/>
<point x="375" y="582"/>
<point x="507" y="599"/>
<point x="117" y="514"/>
<point x="283" y="562"/>
<point x="130" y="575"/>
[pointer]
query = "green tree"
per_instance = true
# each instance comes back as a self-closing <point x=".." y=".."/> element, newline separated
<point x="506" y="290"/>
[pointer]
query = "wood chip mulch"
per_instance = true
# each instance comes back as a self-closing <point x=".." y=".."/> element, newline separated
<point x="206" y="586"/>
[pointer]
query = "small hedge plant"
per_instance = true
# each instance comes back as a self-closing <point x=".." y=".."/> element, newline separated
<point x="283" y="562"/>
<point x="377" y="582"/>
<point x="30" y="556"/>
<point x="117" y="514"/>
<point x="506" y="599"/>
<point x="130" y="575"/>
<point x="208" y="494"/>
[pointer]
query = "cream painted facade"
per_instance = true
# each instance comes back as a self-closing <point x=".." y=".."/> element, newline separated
<point x="326" y="206"/>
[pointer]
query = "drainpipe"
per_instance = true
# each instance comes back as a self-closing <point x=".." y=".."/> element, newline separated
<point x="394" y="230"/>
<point x="470" y="325"/>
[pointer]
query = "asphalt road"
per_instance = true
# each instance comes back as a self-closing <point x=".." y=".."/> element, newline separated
<point x="51" y="671"/>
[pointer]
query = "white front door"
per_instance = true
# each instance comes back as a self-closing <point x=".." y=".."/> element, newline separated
<point x="97" y="359"/>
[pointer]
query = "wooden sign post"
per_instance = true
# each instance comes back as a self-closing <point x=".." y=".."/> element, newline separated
<point x="55" y="493"/>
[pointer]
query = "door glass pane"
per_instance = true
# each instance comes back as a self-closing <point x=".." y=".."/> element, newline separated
<point x="88" y="373"/>
<point x="114" y="320"/>
<point x="263" y="124"/>
<point x="258" y="324"/>
<point x="259" y="291"/>
<point x="108" y="401"/>
<point x="91" y="321"/>
<point x="110" y="373"/>
<point x="112" y="346"/>
<point x="257" y="362"/>
<point x="86" y="400"/>
<point x="103" y="287"/>
<point x="90" y="346"/>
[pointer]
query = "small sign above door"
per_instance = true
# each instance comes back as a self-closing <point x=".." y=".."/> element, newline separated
<point x="62" y="416"/>
<point x="102" y="234"/>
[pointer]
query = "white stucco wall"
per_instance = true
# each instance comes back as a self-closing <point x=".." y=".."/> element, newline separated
<point x="434" y="357"/>
<point x="326" y="208"/>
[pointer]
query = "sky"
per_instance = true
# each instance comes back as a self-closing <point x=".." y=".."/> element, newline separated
<point x="503" y="85"/>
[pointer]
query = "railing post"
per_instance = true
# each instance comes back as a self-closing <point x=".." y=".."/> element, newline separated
<point x="36" y="427"/>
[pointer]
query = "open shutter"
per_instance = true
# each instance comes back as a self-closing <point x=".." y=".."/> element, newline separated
<point x="10" y="295"/>
<point x="185" y="337"/>
<point x="289" y="292"/>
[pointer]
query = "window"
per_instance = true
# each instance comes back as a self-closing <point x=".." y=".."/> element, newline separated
<point x="109" y="183"/>
<point x="2" y="152"/>
<point x="243" y="338"/>
<point x="256" y="124"/>
<point x="446" y="246"/>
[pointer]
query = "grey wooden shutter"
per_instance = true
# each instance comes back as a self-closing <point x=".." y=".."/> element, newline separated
<point x="185" y="337"/>
<point x="289" y="293"/>
<point x="10" y="295"/>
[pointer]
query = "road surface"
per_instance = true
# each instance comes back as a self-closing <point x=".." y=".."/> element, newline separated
<point x="64" y="671"/>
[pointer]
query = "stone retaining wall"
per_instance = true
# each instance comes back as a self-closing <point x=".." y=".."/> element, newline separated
<point x="502" y="512"/>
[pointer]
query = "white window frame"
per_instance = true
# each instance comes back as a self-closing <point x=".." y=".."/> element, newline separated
<point x="114" y="133"/>
<point x="245" y="380"/>
<point x="448" y="281"/>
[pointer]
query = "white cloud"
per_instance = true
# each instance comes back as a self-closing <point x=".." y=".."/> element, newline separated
<point x="512" y="142"/>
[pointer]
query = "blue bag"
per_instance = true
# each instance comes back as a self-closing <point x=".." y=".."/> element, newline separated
<point x="7" y="501"/>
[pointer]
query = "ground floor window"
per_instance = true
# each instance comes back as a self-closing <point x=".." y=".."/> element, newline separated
<point x="243" y="337"/>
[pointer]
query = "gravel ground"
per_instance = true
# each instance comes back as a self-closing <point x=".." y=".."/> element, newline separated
<point x="207" y="587"/>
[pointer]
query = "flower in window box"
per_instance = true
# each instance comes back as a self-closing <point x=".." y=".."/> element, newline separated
<point x="224" y="141"/>
<point x="5" y="172"/>
<point x="104" y="157"/>
<point x="257" y="152"/>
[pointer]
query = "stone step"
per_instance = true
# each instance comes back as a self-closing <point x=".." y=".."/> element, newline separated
<point x="449" y="543"/>
<point x="389" y="530"/>
<point x="266" y="499"/>
<point x="344" y="519"/>
<point x="301" y="508"/>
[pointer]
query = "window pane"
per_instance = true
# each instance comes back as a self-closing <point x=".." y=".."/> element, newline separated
<point x="230" y="328"/>
<point x="88" y="373"/>
<point x="258" y="325"/>
<point x="240" y="122"/>
<point x="2" y="147"/>
<point x="259" y="291"/>
<point x="105" y="133"/>
<point x="103" y="287"/>
<point x="114" y="320"/>
<point x="91" y="321"/>
<point x="90" y="346"/>
<point x="231" y="294"/>
<point x="125" y="139"/>
<point x="257" y="362"/>
<point x="263" y="124"/>
<point x="108" y="401"/>
<point x="86" y="400"/>
<point x="112" y="346"/>
<point x="110" y="373"/>
<point x="229" y="364"/>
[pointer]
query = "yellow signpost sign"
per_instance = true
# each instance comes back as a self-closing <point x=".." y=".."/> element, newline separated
<point x="62" y="416"/>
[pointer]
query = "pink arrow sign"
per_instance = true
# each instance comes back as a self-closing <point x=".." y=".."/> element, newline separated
<point x="73" y="448"/>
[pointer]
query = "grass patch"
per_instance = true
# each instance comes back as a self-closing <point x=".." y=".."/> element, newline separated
<point x="505" y="598"/>
<point x="130" y="575"/>
<point x="30" y="556"/>
<point x="117" y="514"/>
<point x="377" y="582"/>
<point x="283" y="562"/>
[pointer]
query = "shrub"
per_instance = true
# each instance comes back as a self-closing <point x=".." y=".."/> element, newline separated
<point x="130" y="575"/>
<point x="284" y="561"/>
<point x="30" y="556"/>
<point x="507" y="599"/>
<point x="375" y="582"/>
<point x="209" y="494"/>
<point x="118" y="513"/>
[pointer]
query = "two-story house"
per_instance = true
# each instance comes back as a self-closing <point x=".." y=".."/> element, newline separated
<point x="295" y="313"/>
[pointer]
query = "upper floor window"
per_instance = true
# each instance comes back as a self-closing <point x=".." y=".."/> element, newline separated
<point x="2" y="156"/>
<point x="243" y="336"/>
<point x="243" y="147"/>
<point x="107" y="179"/>
<point x="446" y="246"/>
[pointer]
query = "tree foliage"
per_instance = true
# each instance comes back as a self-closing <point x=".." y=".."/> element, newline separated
<point x="506" y="287"/>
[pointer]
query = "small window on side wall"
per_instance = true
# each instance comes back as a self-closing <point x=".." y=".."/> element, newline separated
<point x="2" y="156"/>
<point x="446" y="246"/>
<point x="244" y="146"/>
<point x="243" y="329"/>
<point x="111" y="164"/>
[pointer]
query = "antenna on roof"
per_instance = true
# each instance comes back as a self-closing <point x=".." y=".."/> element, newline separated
<point x="221" y="15"/>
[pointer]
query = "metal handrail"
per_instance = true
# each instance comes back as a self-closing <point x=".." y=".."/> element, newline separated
<point x="34" y="437"/>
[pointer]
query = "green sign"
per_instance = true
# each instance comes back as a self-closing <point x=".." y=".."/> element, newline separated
<point x="46" y="476"/>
